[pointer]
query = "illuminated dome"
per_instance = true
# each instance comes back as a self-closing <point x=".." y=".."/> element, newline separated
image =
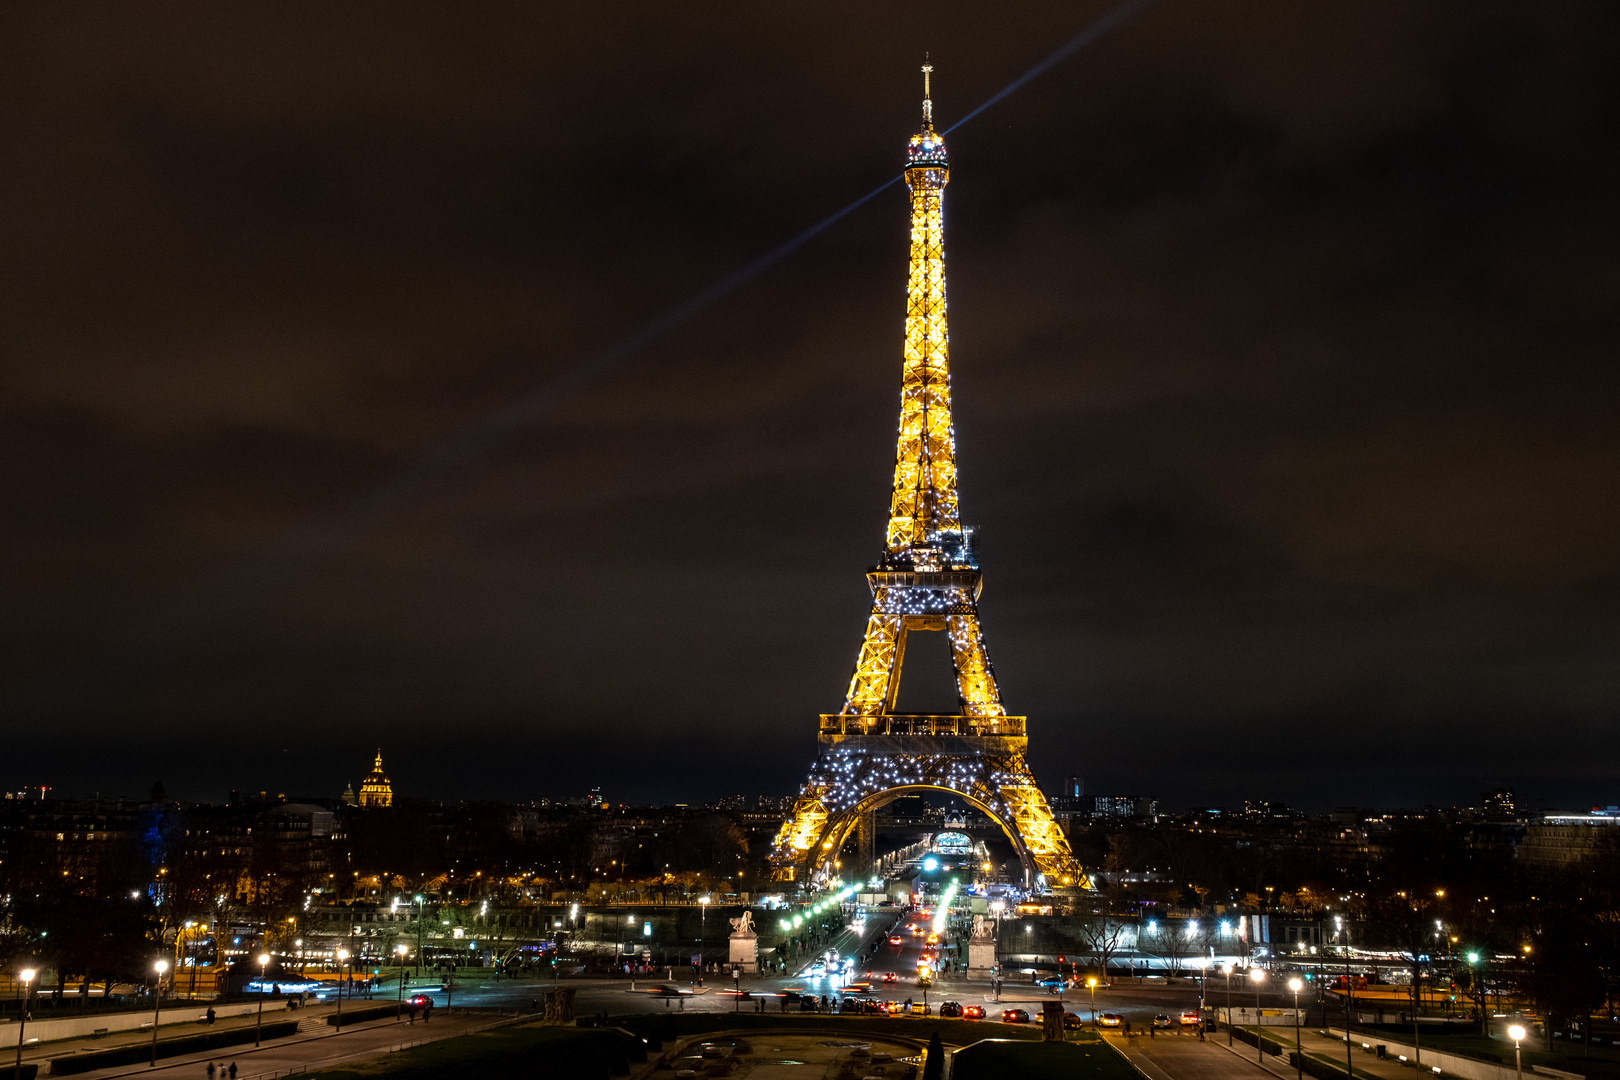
<point x="926" y="148"/>
<point x="375" y="790"/>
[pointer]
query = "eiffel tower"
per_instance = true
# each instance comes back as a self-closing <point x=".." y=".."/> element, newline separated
<point x="927" y="579"/>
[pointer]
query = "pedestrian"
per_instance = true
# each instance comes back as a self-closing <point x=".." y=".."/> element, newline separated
<point x="233" y="1070"/>
<point x="210" y="1015"/>
<point x="412" y="1011"/>
<point x="210" y="1070"/>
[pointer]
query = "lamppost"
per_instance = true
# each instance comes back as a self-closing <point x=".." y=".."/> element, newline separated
<point x="400" y="951"/>
<point x="258" y="1027"/>
<point x="736" y="990"/>
<point x="1226" y="969"/>
<point x="1092" y="984"/>
<point x="1516" y="1033"/>
<point x="157" y="1004"/>
<point x="342" y="959"/>
<point x="27" y="976"/>
<point x="419" y="912"/>
<point x="1296" y="985"/>
<point x="1257" y="976"/>
<point x="703" y="914"/>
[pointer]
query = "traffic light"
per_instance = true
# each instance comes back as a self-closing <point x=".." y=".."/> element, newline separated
<point x="1060" y="959"/>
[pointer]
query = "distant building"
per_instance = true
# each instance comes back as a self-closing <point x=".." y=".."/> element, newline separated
<point x="375" y="790"/>
<point x="1123" y="806"/>
<point x="1498" y="805"/>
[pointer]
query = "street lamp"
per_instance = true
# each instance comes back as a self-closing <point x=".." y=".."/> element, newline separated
<point x="400" y="951"/>
<point x="258" y="1027"/>
<point x="1257" y="976"/>
<point x="1296" y="985"/>
<point x="1516" y="1033"/>
<point x="157" y="1003"/>
<point x="1226" y="969"/>
<point x="27" y="976"/>
<point x="1092" y="983"/>
<point x="342" y="959"/>
<point x="703" y="915"/>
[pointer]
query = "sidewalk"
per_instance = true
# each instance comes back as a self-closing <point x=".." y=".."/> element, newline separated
<point x="185" y="1022"/>
<point x="315" y="1045"/>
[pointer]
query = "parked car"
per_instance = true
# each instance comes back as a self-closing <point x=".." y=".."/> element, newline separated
<point x="1072" y="1022"/>
<point x="950" y="1008"/>
<point x="1110" y="1020"/>
<point x="973" y="1012"/>
<point x="1014" y="1016"/>
<point x="1161" y="1021"/>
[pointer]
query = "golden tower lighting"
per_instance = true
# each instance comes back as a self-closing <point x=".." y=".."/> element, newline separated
<point x="927" y="579"/>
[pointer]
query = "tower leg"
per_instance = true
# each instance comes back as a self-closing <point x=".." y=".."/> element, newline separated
<point x="868" y="839"/>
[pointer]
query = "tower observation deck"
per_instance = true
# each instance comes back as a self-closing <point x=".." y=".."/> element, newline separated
<point x="927" y="578"/>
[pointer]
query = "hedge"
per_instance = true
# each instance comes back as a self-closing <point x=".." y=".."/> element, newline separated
<point x="187" y="1044"/>
<point x="360" y="1016"/>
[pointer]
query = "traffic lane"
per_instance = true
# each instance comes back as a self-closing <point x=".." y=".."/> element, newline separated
<point x="1189" y="1059"/>
<point x="303" y="1050"/>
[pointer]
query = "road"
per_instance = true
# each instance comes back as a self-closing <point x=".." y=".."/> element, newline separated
<point x="1137" y="1004"/>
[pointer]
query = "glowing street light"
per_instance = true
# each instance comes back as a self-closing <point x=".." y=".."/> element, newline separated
<point x="1257" y="976"/>
<point x="157" y="1003"/>
<point x="1296" y="985"/>
<point x="1091" y="984"/>
<point x="1516" y="1033"/>
<point x="27" y="976"/>
<point x="258" y="1027"/>
<point x="703" y="914"/>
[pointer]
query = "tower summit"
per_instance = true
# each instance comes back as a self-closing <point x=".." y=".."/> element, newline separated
<point x="927" y="579"/>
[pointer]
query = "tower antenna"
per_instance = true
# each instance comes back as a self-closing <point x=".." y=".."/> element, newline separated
<point x="928" y="104"/>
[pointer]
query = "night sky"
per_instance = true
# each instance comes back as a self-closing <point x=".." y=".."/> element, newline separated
<point x="1283" y="340"/>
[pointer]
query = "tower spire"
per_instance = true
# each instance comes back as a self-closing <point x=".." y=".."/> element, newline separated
<point x="928" y="104"/>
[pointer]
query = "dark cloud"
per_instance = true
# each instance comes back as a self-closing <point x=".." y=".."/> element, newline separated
<point x="1283" y="341"/>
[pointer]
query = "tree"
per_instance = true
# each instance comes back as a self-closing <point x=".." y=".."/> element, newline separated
<point x="1102" y="935"/>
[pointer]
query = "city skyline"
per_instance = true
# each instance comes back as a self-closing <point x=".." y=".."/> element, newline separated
<point x="1283" y="390"/>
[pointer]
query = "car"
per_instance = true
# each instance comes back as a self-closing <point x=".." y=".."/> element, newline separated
<point x="819" y="967"/>
<point x="1053" y="983"/>
<point x="419" y="1001"/>
<point x="919" y="1008"/>
<point x="1014" y="1016"/>
<point x="1189" y="1018"/>
<point x="896" y="939"/>
<point x="1161" y="1021"/>
<point x="973" y="1012"/>
<point x="950" y="1008"/>
<point x="889" y="977"/>
<point x="1071" y="1022"/>
<point x="893" y="1008"/>
<point x="858" y="988"/>
<point x="933" y="938"/>
<point x="1110" y="1020"/>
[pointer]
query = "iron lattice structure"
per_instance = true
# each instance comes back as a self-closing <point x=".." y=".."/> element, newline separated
<point x="927" y="579"/>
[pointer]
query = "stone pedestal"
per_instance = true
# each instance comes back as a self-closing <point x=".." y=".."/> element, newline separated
<point x="981" y="957"/>
<point x="745" y="954"/>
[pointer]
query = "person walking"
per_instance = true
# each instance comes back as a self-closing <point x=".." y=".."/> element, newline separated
<point x="233" y="1070"/>
<point x="210" y="1070"/>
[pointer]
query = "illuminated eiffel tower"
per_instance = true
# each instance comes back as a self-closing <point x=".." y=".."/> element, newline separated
<point x="927" y="579"/>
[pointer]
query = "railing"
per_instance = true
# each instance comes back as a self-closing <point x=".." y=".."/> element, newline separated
<point x="997" y="726"/>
